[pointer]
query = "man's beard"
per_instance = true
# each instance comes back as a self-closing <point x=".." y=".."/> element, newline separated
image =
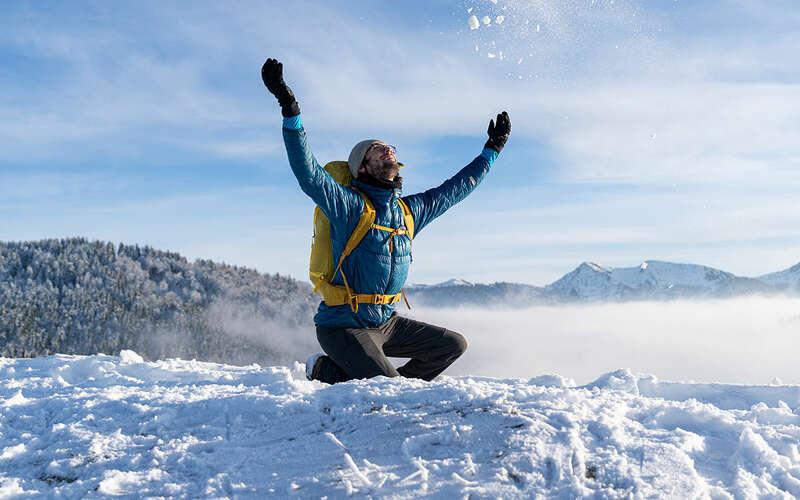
<point x="386" y="170"/>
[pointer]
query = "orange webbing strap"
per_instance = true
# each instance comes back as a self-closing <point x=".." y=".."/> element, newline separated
<point x="351" y="297"/>
<point x="392" y="232"/>
<point x="409" y="229"/>
<point x="403" y="293"/>
<point x="378" y="299"/>
<point x="340" y="295"/>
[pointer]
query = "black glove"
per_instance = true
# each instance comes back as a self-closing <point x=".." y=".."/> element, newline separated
<point x="498" y="134"/>
<point x="272" y="74"/>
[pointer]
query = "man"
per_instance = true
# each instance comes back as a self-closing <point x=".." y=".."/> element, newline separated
<point x="357" y="340"/>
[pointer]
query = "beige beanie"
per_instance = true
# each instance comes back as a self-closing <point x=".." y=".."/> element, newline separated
<point x="358" y="153"/>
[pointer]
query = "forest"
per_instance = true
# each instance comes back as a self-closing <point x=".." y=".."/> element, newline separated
<point x="75" y="296"/>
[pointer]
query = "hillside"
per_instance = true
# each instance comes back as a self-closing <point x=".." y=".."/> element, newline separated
<point x="193" y="429"/>
<point x="455" y="293"/>
<point x="74" y="296"/>
<point x="787" y="280"/>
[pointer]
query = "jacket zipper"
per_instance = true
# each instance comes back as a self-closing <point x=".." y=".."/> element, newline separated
<point x="392" y="203"/>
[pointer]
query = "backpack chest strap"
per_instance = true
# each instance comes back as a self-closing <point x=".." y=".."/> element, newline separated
<point x="392" y="232"/>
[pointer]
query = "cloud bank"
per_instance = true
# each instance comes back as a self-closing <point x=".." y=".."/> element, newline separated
<point x="747" y="340"/>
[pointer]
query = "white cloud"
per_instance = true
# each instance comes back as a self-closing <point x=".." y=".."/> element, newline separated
<point x="530" y="235"/>
<point x="749" y="340"/>
<point x="196" y="75"/>
<point x="704" y="133"/>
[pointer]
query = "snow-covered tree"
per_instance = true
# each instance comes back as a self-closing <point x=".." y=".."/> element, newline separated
<point x="76" y="296"/>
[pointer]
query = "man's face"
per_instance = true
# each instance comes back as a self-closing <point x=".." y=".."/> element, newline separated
<point x="381" y="162"/>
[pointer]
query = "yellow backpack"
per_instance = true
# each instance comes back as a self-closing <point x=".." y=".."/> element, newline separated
<point x="321" y="269"/>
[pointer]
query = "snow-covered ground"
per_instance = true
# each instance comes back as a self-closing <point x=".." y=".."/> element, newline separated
<point x="74" y="426"/>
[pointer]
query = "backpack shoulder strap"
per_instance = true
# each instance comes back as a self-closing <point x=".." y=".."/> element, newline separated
<point x="363" y="226"/>
<point x="407" y="218"/>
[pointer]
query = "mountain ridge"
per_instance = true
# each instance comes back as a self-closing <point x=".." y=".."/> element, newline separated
<point x="591" y="282"/>
<point x="128" y="289"/>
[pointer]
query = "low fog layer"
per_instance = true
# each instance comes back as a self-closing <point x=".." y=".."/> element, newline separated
<point x="744" y="340"/>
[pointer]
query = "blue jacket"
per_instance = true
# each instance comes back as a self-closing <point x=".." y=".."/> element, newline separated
<point x="371" y="268"/>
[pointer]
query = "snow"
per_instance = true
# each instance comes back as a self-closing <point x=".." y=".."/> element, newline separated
<point x="572" y="30"/>
<point x="473" y="22"/>
<point x="788" y="279"/>
<point x="444" y="284"/>
<point x="590" y="281"/>
<point x="121" y="426"/>
<point x="10" y="489"/>
<point x="130" y="357"/>
<point x="663" y="273"/>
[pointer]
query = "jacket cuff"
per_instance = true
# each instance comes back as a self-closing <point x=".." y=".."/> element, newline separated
<point x="490" y="155"/>
<point x="292" y="123"/>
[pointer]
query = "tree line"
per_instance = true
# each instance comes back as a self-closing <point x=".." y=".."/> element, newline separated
<point x="75" y="296"/>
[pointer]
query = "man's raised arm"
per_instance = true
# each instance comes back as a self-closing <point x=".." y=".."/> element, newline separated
<point x="432" y="203"/>
<point x="313" y="179"/>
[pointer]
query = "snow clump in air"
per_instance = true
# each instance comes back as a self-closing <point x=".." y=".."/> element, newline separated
<point x="554" y="31"/>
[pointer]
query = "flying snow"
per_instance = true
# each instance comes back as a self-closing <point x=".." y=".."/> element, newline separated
<point x="557" y="31"/>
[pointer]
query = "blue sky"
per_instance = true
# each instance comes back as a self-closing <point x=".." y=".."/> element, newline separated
<point x="641" y="130"/>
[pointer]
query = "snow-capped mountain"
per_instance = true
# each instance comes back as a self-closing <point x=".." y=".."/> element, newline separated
<point x="651" y="279"/>
<point x="589" y="281"/>
<point x="443" y="284"/>
<point x="787" y="280"/>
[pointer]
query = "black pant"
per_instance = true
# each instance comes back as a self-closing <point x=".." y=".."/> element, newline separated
<point x="361" y="352"/>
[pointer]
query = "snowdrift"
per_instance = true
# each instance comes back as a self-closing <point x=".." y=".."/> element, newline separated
<point x="73" y="426"/>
